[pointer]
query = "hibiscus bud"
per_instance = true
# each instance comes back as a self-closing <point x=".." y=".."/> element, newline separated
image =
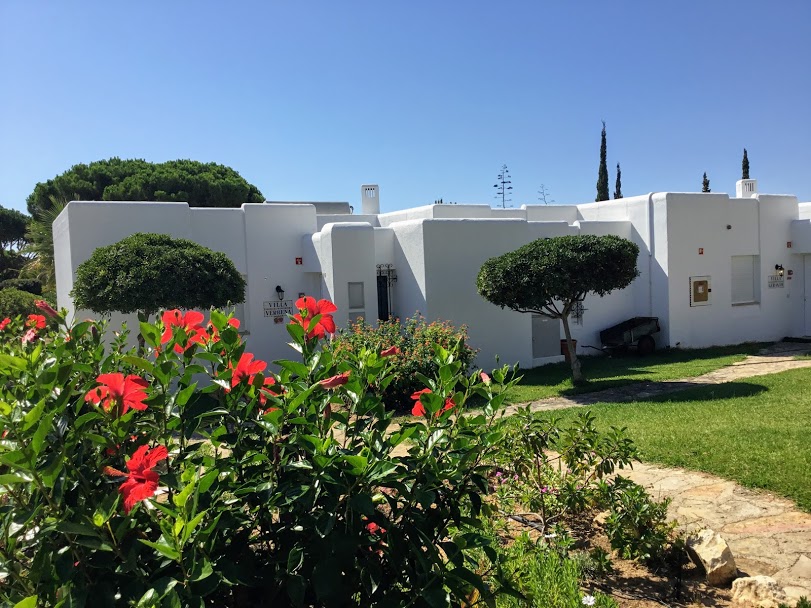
<point x="335" y="381"/>
<point x="392" y="350"/>
<point x="485" y="378"/>
<point x="46" y="308"/>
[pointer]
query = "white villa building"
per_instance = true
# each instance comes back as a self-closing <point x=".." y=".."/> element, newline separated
<point x="714" y="269"/>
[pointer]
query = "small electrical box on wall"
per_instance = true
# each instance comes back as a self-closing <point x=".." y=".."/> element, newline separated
<point x="700" y="290"/>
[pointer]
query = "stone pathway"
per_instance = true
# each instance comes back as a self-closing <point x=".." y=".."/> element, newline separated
<point x="767" y="534"/>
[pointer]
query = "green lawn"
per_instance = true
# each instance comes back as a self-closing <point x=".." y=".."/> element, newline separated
<point x="608" y="372"/>
<point x="755" y="431"/>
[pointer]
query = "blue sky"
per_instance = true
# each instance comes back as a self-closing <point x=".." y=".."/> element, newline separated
<point x="308" y="100"/>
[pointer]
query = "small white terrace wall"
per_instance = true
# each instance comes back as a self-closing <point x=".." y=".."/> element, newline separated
<point x="454" y="253"/>
<point x="409" y="295"/>
<point x="647" y="295"/>
<point x="347" y="255"/>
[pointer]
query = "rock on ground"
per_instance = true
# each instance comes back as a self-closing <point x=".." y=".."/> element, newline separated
<point x="760" y="591"/>
<point x="711" y="552"/>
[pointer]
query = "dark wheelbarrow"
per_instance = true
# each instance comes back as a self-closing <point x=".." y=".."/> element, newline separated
<point x="637" y="331"/>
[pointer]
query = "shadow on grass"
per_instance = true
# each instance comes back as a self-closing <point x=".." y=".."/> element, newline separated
<point x="608" y="372"/>
<point x="670" y="392"/>
<point x="713" y="392"/>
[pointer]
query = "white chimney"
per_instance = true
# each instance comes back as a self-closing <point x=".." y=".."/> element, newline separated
<point x="746" y="188"/>
<point x="370" y="199"/>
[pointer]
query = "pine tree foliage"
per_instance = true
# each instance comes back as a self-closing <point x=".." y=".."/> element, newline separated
<point x="705" y="183"/>
<point x="618" y="184"/>
<point x="602" y="173"/>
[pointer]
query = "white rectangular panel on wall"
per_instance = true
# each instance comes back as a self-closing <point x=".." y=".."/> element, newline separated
<point x="743" y="279"/>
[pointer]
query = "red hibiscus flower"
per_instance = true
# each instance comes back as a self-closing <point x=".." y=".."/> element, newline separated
<point x="118" y="391"/>
<point x="29" y="336"/>
<point x="391" y="350"/>
<point x="419" y="408"/>
<point x="309" y="308"/>
<point x="46" y="308"/>
<point x="4" y="322"/>
<point x="335" y="381"/>
<point x="142" y="481"/>
<point x="209" y="333"/>
<point x="373" y="528"/>
<point x="246" y="368"/>
<point x="35" y="321"/>
<point x="191" y="322"/>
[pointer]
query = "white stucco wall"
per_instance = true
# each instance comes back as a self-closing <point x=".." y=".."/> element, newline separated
<point x="454" y="253"/>
<point x="348" y="255"/>
<point x="759" y="227"/>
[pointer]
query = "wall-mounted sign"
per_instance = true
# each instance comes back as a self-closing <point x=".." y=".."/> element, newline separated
<point x="299" y="261"/>
<point x="279" y="308"/>
<point x="700" y="251"/>
<point x="776" y="281"/>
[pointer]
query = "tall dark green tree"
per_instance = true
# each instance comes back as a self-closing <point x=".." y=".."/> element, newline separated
<point x="114" y="179"/>
<point x="13" y="225"/>
<point x="745" y="165"/>
<point x="705" y="183"/>
<point x="618" y="184"/>
<point x="602" y="172"/>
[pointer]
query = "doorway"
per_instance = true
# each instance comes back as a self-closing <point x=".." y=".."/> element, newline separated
<point x="545" y="337"/>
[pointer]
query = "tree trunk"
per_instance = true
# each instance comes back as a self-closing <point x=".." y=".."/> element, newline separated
<point x="577" y="375"/>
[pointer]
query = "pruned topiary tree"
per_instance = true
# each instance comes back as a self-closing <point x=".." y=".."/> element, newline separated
<point x="144" y="273"/>
<point x="549" y="276"/>
<point x="15" y="302"/>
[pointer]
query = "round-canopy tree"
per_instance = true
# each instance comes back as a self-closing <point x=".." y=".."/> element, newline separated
<point x="199" y="184"/>
<point x="549" y="276"/>
<point x="146" y="272"/>
<point x="13" y="225"/>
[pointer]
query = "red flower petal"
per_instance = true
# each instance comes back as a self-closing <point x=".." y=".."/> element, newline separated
<point x="335" y="381"/>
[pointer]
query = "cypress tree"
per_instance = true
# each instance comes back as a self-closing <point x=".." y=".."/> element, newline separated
<point x="602" y="173"/>
<point x="618" y="184"/>
<point x="745" y="166"/>
<point x="705" y="183"/>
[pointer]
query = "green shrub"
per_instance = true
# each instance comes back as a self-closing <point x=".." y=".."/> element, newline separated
<point x="545" y="578"/>
<point x="14" y="302"/>
<point x="415" y="340"/>
<point x="637" y="525"/>
<point x="560" y="472"/>
<point x="30" y="285"/>
<point x="148" y="272"/>
<point x="241" y="487"/>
